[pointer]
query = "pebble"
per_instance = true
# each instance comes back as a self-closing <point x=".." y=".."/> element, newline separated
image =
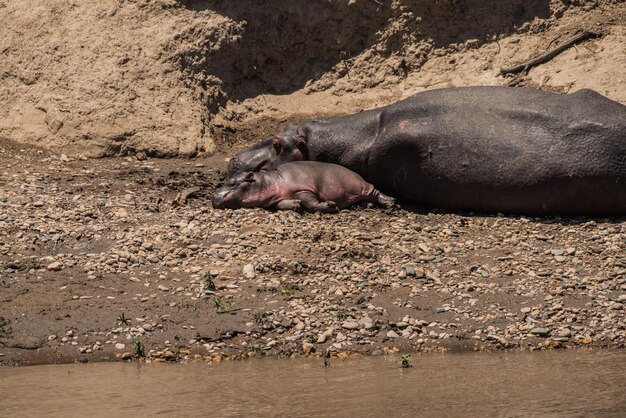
<point x="541" y="332"/>
<point x="248" y="271"/>
<point x="410" y="271"/>
<point x="564" y="333"/>
<point x="55" y="266"/>
<point x="350" y="325"/>
<point x="293" y="279"/>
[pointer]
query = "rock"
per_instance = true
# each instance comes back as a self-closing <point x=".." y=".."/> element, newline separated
<point x="323" y="337"/>
<point x="350" y="325"/>
<point x="248" y="271"/>
<point x="564" y="333"/>
<point x="366" y="322"/>
<point x="55" y="266"/>
<point x="525" y="310"/>
<point x="540" y="332"/>
<point x="163" y="288"/>
<point x="392" y="334"/>
<point x="120" y="346"/>
<point x="410" y="271"/>
<point x="420" y="273"/>
<point x="307" y="348"/>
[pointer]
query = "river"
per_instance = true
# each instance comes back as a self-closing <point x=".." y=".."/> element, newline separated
<point x="556" y="383"/>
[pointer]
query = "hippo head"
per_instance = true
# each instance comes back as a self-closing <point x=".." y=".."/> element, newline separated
<point x="241" y="191"/>
<point x="291" y="145"/>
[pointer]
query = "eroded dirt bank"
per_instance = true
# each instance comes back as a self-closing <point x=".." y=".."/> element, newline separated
<point x="186" y="77"/>
<point x="95" y="259"/>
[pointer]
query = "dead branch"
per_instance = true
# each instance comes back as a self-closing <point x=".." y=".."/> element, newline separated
<point x="581" y="36"/>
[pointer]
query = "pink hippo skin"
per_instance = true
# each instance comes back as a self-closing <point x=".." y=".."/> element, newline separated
<point x="309" y="185"/>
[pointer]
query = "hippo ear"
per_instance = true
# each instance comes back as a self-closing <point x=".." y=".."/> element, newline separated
<point x="249" y="178"/>
<point x="302" y="145"/>
<point x="278" y="146"/>
<point x="301" y="141"/>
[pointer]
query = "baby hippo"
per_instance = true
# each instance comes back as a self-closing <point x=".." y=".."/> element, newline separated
<point x="308" y="185"/>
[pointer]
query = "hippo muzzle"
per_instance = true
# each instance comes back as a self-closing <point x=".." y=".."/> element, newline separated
<point x="219" y="198"/>
<point x="238" y="192"/>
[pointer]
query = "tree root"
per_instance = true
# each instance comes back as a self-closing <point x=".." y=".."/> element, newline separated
<point x="524" y="67"/>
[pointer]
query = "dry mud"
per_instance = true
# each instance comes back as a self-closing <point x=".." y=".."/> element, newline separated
<point x="96" y="262"/>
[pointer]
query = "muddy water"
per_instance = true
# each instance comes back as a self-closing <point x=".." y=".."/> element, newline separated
<point x="566" y="383"/>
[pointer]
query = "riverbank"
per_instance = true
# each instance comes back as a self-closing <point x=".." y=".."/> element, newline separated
<point x="122" y="258"/>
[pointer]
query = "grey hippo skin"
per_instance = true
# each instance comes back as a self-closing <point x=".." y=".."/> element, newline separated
<point x="309" y="185"/>
<point x="489" y="149"/>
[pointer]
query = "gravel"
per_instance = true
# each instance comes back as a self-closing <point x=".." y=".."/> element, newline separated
<point x="97" y="248"/>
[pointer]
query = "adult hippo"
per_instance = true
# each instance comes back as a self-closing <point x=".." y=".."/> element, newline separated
<point x="490" y="149"/>
<point x="308" y="185"/>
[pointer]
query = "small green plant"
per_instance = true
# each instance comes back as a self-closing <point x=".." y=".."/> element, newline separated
<point x="311" y="338"/>
<point x="290" y="288"/>
<point x="256" y="349"/>
<point x="340" y="314"/>
<point x="138" y="347"/>
<point x="122" y="319"/>
<point x="221" y="306"/>
<point x="404" y="361"/>
<point x="209" y="282"/>
<point x="259" y="317"/>
<point x="285" y="352"/>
